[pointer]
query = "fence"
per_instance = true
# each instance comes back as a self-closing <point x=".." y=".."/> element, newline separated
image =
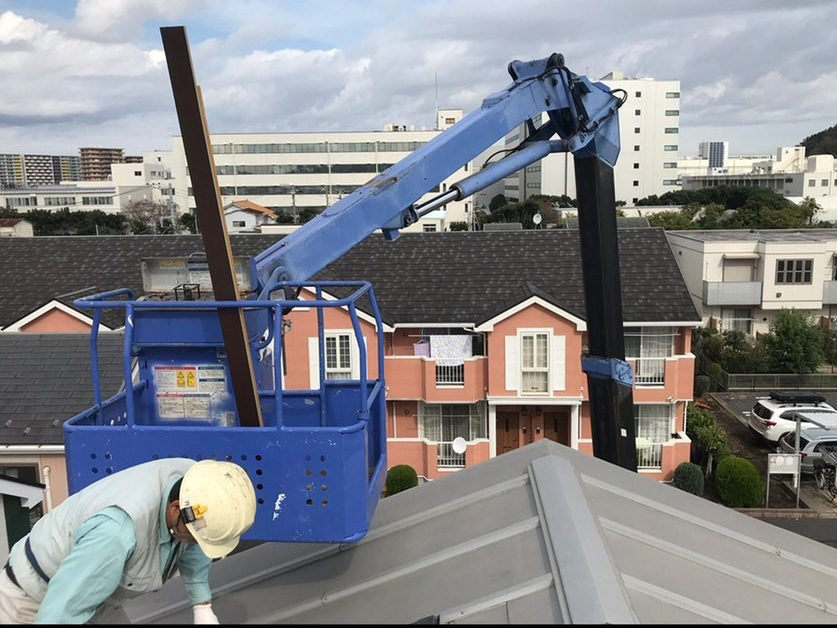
<point x="768" y="381"/>
<point x="450" y="375"/>
<point x="447" y="457"/>
<point x="650" y="371"/>
<point x="649" y="456"/>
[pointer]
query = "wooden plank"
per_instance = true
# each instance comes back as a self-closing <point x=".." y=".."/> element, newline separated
<point x="210" y="215"/>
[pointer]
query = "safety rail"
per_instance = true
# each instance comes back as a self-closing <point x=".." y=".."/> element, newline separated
<point x="324" y="449"/>
<point x="447" y="457"/>
<point x="450" y="375"/>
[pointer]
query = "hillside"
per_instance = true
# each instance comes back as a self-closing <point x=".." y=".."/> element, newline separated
<point x="822" y="143"/>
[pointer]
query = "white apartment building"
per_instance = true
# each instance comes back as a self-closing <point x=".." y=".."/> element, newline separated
<point x="649" y="131"/>
<point x="290" y="172"/>
<point x="740" y="279"/>
<point x="699" y="166"/>
<point x="78" y="196"/>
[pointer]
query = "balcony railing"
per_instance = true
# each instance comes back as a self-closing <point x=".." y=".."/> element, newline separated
<point x="447" y="457"/>
<point x="649" y="455"/>
<point x="447" y="375"/>
<point x="650" y="371"/>
<point x="732" y="293"/>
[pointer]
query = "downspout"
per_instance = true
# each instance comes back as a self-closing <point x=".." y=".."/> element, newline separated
<point x="47" y="489"/>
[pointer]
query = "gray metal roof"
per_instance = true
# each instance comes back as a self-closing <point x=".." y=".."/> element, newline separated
<point x="543" y="534"/>
<point x="765" y="235"/>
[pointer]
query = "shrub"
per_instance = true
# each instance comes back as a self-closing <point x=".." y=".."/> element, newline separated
<point x="400" y="478"/>
<point x="689" y="477"/>
<point x="459" y="225"/>
<point x="739" y="484"/>
<point x="701" y="385"/>
<point x="695" y="418"/>
<point x="715" y="377"/>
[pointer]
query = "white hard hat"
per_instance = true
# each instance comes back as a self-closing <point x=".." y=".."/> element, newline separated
<point x="218" y="505"/>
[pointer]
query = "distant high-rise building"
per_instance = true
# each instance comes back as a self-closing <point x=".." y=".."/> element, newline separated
<point x="19" y="171"/>
<point x="133" y="159"/>
<point x="716" y="152"/>
<point x="96" y="161"/>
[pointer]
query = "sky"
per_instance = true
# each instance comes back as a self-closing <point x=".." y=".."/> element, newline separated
<point x="757" y="73"/>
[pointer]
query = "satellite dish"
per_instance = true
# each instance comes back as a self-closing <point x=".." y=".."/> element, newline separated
<point x="459" y="445"/>
<point x="537" y="218"/>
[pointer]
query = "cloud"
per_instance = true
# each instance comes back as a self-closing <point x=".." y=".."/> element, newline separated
<point x="765" y="68"/>
<point x="117" y="20"/>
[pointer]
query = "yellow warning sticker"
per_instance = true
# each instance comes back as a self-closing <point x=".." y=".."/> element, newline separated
<point x="172" y="263"/>
<point x="175" y="379"/>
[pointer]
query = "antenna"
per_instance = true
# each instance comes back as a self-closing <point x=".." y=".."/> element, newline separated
<point x="436" y="82"/>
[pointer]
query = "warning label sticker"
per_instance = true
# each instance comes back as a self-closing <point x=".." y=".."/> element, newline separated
<point x="183" y="406"/>
<point x="175" y="379"/>
<point x="211" y="379"/>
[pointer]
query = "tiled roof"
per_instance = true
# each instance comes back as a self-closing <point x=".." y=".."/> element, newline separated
<point x="456" y="277"/>
<point x="468" y="276"/>
<point x="9" y="222"/>
<point x="45" y="379"/>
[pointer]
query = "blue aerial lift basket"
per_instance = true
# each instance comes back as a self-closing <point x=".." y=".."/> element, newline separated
<point x="319" y="462"/>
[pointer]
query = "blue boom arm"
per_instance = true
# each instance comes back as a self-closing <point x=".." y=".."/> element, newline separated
<point x="583" y="114"/>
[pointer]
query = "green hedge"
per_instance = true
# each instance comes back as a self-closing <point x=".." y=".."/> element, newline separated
<point x="689" y="477"/>
<point x="739" y="484"/>
<point x="702" y="384"/>
<point x="400" y="478"/>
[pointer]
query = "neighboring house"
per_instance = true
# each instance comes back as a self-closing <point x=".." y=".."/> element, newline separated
<point x="483" y="340"/>
<point x="15" y="227"/>
<point x="245" y="216"/>
<point x="483" y="333"/>
<point x="45" y="379"/>
<point x="740" y="279"/>
<point x="542" y="535"/>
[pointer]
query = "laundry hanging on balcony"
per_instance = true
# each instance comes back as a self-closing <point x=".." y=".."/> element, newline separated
<point x="450" y="350"/>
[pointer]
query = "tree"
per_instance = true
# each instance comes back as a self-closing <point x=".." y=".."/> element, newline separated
<point x="517" y="212"/>
<point x="671" y="221"/>
<point x="809" y="208"/>
<point x="284" y="218"/>
<point x="149" y="217"/>
<point x="794" y="345"/>
<point x="188" y="223"/>
<point x="306" y="214"/>
<point x="459" y="225"/>
<point x="497" y="202"/>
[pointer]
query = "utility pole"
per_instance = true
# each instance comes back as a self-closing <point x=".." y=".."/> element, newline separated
<point x="170" y="204"/>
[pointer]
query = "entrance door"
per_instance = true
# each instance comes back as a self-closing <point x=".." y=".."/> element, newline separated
<point x="508" y="431"/>
<point x="556" y="426"/>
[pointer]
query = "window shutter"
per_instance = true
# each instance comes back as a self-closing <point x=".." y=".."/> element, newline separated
<point x="513" y="364"/>
<point x="313" y="363"/>
<point x="354" y="353"/>
<point x="558" y="367"/>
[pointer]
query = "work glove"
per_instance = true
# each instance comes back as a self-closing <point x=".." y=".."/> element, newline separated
<point x="204" y="614"/>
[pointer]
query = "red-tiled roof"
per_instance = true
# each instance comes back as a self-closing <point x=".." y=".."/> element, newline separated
<point x="9" y="222"/>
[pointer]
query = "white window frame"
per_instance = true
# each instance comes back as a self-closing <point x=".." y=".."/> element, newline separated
<point x="649" y="347"/>
<point x="523" y="333"/>
<point x="339" y="371"/>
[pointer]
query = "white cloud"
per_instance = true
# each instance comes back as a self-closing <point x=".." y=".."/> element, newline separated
<point x="116" y="20"/>
<point x="320" y="64"/>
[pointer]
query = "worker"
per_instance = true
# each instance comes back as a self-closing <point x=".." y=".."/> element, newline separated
<point x="124" y="536"/>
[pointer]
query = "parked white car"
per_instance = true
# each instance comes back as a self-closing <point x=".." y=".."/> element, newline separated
<point x="774" y="416"/>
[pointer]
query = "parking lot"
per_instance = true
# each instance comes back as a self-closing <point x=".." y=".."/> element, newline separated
<point x="732" y="410"/>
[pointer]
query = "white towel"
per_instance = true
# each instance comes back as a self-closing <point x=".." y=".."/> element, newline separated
<point x="450" y="350"/>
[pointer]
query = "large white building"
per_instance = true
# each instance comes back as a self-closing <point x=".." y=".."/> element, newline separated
<point x="791" y="174"/>
<point x="740" y="279"/>
<point x="649" y="131"/>
<point x="290" y="172"/>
